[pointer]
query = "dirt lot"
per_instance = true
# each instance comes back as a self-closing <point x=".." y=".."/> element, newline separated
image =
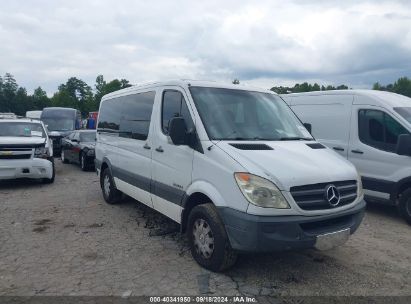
<point x="63" y="239"/>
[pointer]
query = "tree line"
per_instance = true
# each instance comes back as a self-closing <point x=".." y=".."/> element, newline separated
<point x="401" y="86"/>
<point x="76" y="93"/>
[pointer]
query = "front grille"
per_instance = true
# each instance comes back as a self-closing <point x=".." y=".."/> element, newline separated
<point x="15" y="156"/>
<point x="313" y="197"/>
<point x="56" y="141"/>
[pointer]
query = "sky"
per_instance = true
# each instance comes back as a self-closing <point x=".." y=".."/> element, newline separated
<point x="262" y="43"/>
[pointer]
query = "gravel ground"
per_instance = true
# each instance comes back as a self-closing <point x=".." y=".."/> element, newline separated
<point x="63" y="239"/>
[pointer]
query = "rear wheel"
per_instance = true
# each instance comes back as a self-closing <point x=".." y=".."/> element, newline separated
<point x="63" y="158"/>
<point x="208" y="239"/>
<point x="110" y="193"/>
<point x="83" y="162"/>
<point x="404" y="206"/>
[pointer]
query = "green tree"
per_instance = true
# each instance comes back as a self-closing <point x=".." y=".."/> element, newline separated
<point x="40" y="99"/>
<point x="103" y="88"/>
<point x="75" y="93"/>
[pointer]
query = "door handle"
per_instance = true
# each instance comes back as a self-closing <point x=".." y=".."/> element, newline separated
<point x="159" y="149"/>
<point x="338" y="149"/>
<point x="357" y="151"/>
<point x="146" y="146"/>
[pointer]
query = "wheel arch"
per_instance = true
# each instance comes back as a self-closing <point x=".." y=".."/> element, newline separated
<point x="198" y="193"/>
<point x="106" y="164"/>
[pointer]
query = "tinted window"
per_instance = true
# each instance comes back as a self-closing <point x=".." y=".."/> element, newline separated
<point x="109" y="116"/>
<point x="136" y="115"/>
<point x="379" y="130"/>
<point x="174" y="105"/>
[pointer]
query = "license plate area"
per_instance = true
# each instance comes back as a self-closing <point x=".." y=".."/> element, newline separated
<point x="333" y="239"/>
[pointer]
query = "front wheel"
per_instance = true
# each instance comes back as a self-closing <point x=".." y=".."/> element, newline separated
<point x="404" y="206"/>
<point x="63" y="158"/>
<point x="53" y="175"/>
<point x="83" y="162"/>
<point x="110" y="193"/>
<point x="208" y="239"/>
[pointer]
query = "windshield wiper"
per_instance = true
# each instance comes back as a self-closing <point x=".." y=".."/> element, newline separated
<point x="295" y="138"/>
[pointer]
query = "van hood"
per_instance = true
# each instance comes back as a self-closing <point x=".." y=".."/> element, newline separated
<point x="11" y="141"/>
<point x="292" y="163"/>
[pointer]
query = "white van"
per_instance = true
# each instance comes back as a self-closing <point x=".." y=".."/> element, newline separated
<point x="369" y="128"/>
<point x="33" y="114"/>
<point x="233" y="165"/>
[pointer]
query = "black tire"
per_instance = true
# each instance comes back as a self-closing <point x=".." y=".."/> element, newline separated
<point x="50" y="180"/>
<point x="83" y="161"/>
<point x="404" y="206"/>
<point x="111" y="194"/>
<point x="222" y="256"/>
<point x="63" y="158"/>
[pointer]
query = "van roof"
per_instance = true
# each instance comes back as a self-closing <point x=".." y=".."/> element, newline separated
<point x="382" y="97"/>
<point x="184" y="83"/>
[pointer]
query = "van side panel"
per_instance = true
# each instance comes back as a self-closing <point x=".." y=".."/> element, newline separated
<point x="329" y="116"/>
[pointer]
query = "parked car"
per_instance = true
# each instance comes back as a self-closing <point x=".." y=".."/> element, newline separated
<point x="78" y="148"/>
<point x="60" y="123"/>
<point x="232" y="165"/>
<point x="372" y="130"/>
<point x="25" y="150"/>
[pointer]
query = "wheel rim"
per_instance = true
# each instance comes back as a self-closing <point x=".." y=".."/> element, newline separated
<point x="62" y="155"/>
<point x="106" y="185"/>
<point x="203" y="238"/>
<point x="82" y="161"/>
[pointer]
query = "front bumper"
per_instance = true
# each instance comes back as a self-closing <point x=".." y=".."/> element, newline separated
<point x="27" y="168"/>
<point x="253" y="233"/>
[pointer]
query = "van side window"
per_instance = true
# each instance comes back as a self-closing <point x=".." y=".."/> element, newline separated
<point x="136" y="115"/>
<point x="379" y="130"/>
<point x="109" y="116"/>
<point x="174" y="105"/>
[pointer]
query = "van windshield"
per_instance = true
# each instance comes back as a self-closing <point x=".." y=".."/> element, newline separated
<point x="229" y="114"/>
<point x="405" y="112"/>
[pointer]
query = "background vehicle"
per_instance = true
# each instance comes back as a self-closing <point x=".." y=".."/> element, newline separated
<point x="372" y="130"/>
<point x="8" y="116"/>
<point x="78" y="148"/>
<point x="234" y="166"/>
<point x="60" y="122"/>
<point x="33" y="114"/>
<point x="25" y="150"/>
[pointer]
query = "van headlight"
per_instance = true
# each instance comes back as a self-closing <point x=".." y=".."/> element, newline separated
<point x="41" y="152"/>
<point x="260" y="191"/>
<point x="360" y="190"/>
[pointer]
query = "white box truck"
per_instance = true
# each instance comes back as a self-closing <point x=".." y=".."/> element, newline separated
<point x="369" y="128"/>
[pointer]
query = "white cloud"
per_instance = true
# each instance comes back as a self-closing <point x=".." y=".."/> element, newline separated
<point x="263" y="43"/>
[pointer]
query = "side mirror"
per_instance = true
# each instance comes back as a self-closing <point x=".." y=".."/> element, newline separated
<point x="74" y="140"/>
<point x="177" y="130"/>
<point x="404" y="145"/>
<point x="308" y="127"/>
